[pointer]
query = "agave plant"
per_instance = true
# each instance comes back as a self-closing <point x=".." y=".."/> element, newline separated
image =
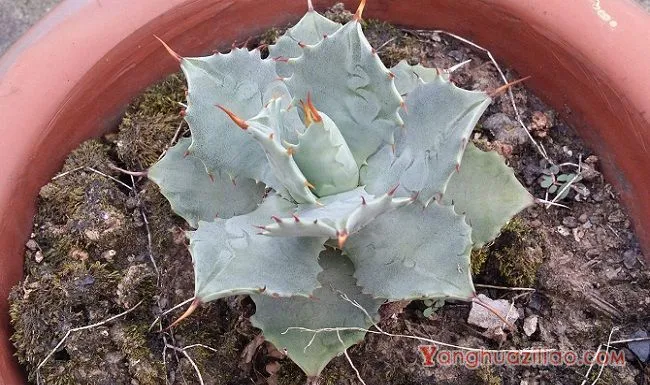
<point x="323" y="184"/>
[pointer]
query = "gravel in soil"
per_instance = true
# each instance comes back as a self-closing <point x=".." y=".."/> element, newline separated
<point x="97" y="231"/>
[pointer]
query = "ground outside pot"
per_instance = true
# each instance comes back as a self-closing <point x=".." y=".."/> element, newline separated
<point x="73" y="74"/>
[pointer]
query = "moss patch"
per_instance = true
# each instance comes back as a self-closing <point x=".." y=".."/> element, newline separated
<point x="150" y="123"/>
<point x="89" y="257"/>
<point x="485" y="375"/>
<point x="42" y="312"/>
<point x="513" y="258"/>
<point x="478" y="259"/>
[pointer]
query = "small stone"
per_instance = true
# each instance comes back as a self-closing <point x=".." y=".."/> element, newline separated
<point x="581" y="189"/>
<point x="522" y="312"/>
<point x="530" y="325"/>
<point x="47" y="191"/>
<point x="630" y="258"/>
<point x="108" y="255"/>
<point x="93" y="235"/>
<point x="563" y="231"/>
<point x="79" y="255"/>
<point x="596" y="219"/>
<point x="640" y="348"/>
<point x="592" y="253"/>
<point x="38" y="256"/>
<point x="616" y="216"/>
<point x="570" y="222"/>
<point x="610" y="274"/>
<point x="578" y="234"/>
<point x="480" y="316"/>
<point x="535" y="223"/>
<point x="589" y="173"/>
<point x="32" y="245"/>
<point x="598" y="196"/>
<point x="459" y="56"/>
<point x="540" y="123"/>
<point x="583" y="218"/>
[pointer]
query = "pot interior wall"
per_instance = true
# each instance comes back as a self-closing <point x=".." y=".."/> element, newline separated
<point x="73" y="74"/>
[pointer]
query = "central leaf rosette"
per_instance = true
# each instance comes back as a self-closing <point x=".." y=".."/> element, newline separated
<point x="322" y="145"/>
<point x="321" y="161"/>
<point x="318" y="172"/>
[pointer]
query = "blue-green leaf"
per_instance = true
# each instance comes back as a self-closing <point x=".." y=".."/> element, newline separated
<point x="279" y="317"/>
<point x="414" y="253"/>
<point x="231" y="259"/>
<point x="487" y="192"/>
<point x="194" y="195"/>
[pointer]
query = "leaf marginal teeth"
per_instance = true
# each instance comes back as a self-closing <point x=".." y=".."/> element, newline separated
<point x="236" y="119"/>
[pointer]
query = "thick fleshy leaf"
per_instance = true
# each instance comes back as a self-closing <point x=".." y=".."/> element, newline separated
<point x="325" y="158"/>
<point x="327" y="309"/>
<point x="487" y="192"/>
<point x="282" y="117"/>
<point x="412" y="253"/>
<point x="409" y="77"/>
<point x="243" y="82"/>
<point x="349" y="83"/>
<point x="439" y="118"/>
<point x="309" y="30"/>
<point x="231" y="259"/>
<point x="194" y="195"/>
<point x="280" y="159"/>
<point x="337" y="216"/>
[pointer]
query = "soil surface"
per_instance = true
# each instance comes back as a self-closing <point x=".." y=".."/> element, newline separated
<point x="105" y="243"/>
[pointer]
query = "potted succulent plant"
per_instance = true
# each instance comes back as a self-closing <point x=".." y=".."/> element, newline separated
<point x="376" y="195"/>
<point x="48" y="108"/>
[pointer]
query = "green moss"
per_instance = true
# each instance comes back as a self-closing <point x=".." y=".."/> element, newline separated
<point x="290" y="374"/>
<point x="143" y="366"/>
<point x="517" y="254"/>
<point x="400" y="46"/>
<point x="607" y="377"/>
<point x="513" y="258"/>
<point x="150" y="123"/>
<point x="218" y="326"/>
<point x="161" y="98"/>
<point x="43" y="311"/>
<point x="96" y="264"/>
<point x="485" y="375"/>
<point x="478" y="259"/>
<point x="85" y="212"/>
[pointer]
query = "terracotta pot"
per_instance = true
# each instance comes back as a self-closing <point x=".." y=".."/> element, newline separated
<point x="72" y="75"/>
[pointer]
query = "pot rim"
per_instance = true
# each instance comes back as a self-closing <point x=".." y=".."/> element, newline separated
<point x="70" y="77"/>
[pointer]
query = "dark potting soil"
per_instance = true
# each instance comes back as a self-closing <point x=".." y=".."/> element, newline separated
<point x="104" y="243"/>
